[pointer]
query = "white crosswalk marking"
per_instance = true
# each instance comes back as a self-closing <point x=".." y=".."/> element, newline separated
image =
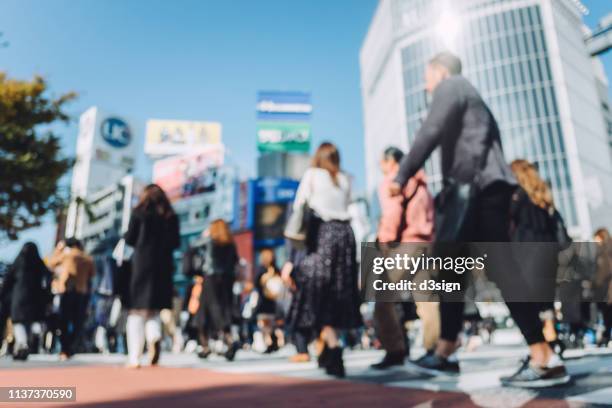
<point x="479" y="378"/>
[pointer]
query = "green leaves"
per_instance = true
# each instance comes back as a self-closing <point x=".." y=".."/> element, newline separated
<point x="30" y="160"/>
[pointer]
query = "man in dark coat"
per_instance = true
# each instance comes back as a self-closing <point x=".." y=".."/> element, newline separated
<point x="461" y="124"/>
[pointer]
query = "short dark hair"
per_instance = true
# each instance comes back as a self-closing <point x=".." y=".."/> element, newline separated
<point x="447" y="60"/>
<point x="393" y="153"/>
<point x="73" y="243"/>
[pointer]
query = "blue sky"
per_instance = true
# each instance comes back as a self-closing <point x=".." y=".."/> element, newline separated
<point x="198" y="60"/>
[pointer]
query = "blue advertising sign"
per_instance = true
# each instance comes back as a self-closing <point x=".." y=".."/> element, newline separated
<point x="275" y="190"/>
<point x="272" y="198"/>
<point x="283" y="106"/>
<point x="115" y="132"/>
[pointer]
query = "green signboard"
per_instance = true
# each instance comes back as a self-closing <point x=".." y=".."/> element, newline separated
<point x="283" y="136"/>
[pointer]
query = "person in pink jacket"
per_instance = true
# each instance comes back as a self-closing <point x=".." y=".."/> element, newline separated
<point x="408" y="217"/>
<point x="419" y="212"/>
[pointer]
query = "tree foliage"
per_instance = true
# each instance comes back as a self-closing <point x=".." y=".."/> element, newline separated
<point x="31" y="163"/>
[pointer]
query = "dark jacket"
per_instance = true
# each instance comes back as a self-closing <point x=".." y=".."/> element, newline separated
<point x="224" y="259"/>
<point x="154" y="239"/>
<point x="460" y="123"/>
<point x="530" y="223"/>
<point x="216" y="299"/>
<point x="26" y="287"/>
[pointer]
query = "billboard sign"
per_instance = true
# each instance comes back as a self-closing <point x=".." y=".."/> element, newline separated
<point x="283" y="121"/>
<point x="171" y="137"/>
<point x="271" y="199"/>
<point x="283" y="136"/>
<point x="105" y="151"/>
<point x="189" y="174"/>
<point x="115" y="132"/>
<point x="283" y="106"/>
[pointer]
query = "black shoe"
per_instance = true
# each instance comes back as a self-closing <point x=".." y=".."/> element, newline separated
<point x="271" y="348"/>
<point x="335" y="365"/>
<point x="323" y="357"/>
<point x="204" y="354"/>
<point x="21" y="355"/>
<point x="529" y="376"/>
<point x="558" y="347"/>
<point x="390" y="360"/>
<point x="154" y="352"/>
<point x="428" y="353"/>
<point x="433" y="364"/>
<point x="231" y="352"/>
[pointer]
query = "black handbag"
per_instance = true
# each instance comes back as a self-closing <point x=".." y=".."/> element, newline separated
<point x="454" y="205"/>
<point x="302" y="227"/>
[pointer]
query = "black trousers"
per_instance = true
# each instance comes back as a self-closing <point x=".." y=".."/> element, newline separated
<point x="491" y="224"/>
<point x="301" y="338"/>
<point x="73" y="310"/>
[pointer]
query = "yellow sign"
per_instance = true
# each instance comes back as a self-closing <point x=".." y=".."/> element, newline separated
<point x="170" y="137"/>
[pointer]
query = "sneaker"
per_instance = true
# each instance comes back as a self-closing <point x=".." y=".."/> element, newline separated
<point x="435" y="365"/>
<point x="530" y="376"/>
<point x="427" y="354"/>
<point x="390" y="360"/>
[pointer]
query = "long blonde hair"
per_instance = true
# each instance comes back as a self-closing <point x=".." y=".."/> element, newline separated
<point x="536" y="188"/>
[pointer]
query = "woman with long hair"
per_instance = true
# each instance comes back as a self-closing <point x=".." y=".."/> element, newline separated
<point x="327" y="297"/>
<point x="26" y="287"/>
<point x="153" y="232"/>
<point x="214" y="317"/>
<point x="603" y="282"/>
<point x="534" y="218"/>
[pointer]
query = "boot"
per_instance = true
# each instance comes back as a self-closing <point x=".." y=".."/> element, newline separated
<point x="231" y="351"/>
<point x="335" y="365"/>
<point x="323" y="356"/>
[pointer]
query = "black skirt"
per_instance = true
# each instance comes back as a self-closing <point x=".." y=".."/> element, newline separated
<point x="327" y="291"/>
<point x="215" y="312"/>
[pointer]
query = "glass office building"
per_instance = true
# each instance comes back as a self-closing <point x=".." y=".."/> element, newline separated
<point x="528" y="60"/>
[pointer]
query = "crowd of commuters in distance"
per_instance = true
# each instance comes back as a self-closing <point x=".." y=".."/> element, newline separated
<point x="312" y="300"/>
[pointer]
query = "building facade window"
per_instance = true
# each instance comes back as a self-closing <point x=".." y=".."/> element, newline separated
<point x="505" y="56"/>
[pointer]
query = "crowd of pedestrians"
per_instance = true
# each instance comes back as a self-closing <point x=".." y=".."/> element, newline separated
<point x="314" y="296"/>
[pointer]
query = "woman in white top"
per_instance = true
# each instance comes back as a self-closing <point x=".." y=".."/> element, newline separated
<point x="327" y="296"/>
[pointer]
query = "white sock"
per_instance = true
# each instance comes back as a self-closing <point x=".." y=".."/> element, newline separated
<point x="134" y="330"/>
<point x="153" y="330"/>
<point x="554" y="361"/>
<point x="21" y="336"/>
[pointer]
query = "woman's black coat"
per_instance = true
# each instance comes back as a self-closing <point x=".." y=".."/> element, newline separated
<point x="26" y="286"/>
<point x="154" y="239"/>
